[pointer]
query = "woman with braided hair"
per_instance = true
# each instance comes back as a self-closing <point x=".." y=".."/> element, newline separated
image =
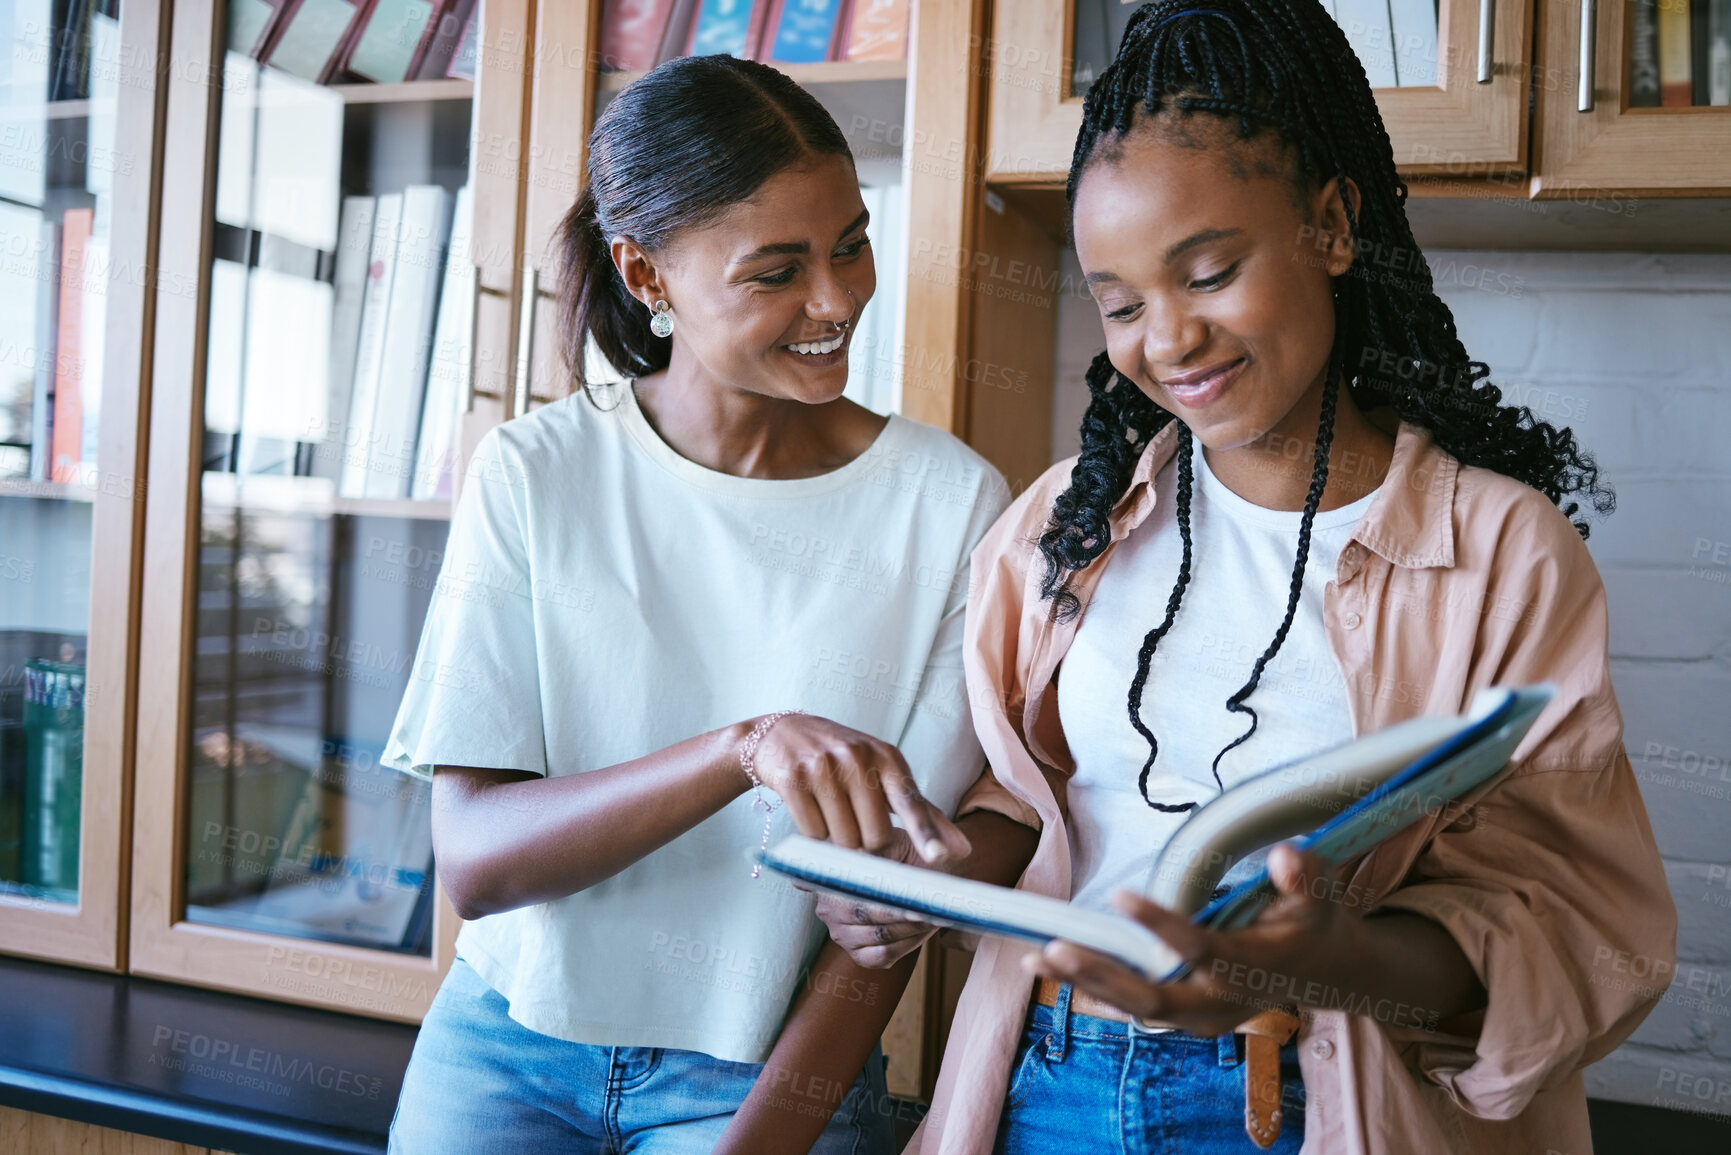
<point x="1300" y="512"/>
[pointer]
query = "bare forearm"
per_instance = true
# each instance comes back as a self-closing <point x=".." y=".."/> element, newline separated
<point x="503" y="840"/>
<point x="836" y="1020"/>
<point x="1002" y="848"/>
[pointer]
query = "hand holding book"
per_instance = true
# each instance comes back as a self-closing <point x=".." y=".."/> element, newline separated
<point x="1343" y="801"/>
<point x="1305" y="949"/>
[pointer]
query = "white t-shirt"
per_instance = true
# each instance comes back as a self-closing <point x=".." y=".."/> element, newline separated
<point x="1240" y="578"/>
<point x="602" y="597"/>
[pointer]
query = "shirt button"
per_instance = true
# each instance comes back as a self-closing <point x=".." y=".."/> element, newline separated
<point x="1322" y="1049"/>
<point x="1350" y="621"/>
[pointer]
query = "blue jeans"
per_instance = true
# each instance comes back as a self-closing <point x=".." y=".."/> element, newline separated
<point x="1084" y="1084"/>
<point x="479" y="1083"/>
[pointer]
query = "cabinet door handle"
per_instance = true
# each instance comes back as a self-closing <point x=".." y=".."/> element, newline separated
<point x="1589" y="18"/>
<point x="1487" y="38"/>
<point x="468" y="370"/>
<point x="525" y="343"/>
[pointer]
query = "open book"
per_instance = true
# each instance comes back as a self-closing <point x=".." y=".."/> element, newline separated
<point x="1337" y="804"/>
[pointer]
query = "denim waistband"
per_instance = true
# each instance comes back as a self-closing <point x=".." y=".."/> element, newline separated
<point x="1060" y="1024"/>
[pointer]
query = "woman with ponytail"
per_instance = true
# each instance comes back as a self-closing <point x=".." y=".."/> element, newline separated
<point x="1301" y="512"/>
<point x="680" y="617"/>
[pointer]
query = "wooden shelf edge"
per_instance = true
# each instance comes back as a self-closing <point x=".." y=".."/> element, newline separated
<point x="324" y="505"/>
<point x="408" y="92"/>
<point x="55" y="490"/>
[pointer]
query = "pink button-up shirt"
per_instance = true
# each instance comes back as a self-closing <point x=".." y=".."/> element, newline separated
<point x="1457" y="578"/>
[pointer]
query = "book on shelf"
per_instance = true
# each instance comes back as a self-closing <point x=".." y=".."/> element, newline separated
<point x="46" y="360"/>
<point x="733" y="27"/>
<point x="357" y="431"/>
<point x="1093" y="51"/>
<point x="462" y="66"/>
<point x="73" y="47"/>
<point x="224" y="365"/>
<point x="1644" y="54"/>
<point x="251" y="23"/>
<point x="448" y="369"/>
<point x="287" y="359"/>
<point x="306" y="40"/>
<point x="878" y="29"/>
<point x="1338" y="804"/>
<point x="632" y="33"/>
<point x="1719" y="52"/>
<point x="92" y="338"/>
<point x="348" y="291"/>
<point x="387" y="37"/>
<point x="802" y="31"/>
<point x="422" y="238"/>
<point x="443" y="36"/>
<point x="356" y="857"/>
<point x="22" y="345"/>
<point x="1698" y="50"/>
<point x="68" y="431"/>
<point x="1676" y="83"/>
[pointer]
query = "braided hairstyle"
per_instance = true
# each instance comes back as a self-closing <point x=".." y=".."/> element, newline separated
<point x="1283" y="68"/>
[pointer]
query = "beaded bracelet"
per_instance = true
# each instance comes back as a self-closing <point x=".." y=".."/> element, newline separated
<point x="748" y="763"/>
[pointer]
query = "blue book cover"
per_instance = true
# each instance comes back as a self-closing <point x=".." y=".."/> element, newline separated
<point x="723" y="26"/>
<point x="805" y="31"/>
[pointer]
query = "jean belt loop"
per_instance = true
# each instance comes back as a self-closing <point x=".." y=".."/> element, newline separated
<point x="1059" y="1040"/>
<point x="1228" y="1049"/>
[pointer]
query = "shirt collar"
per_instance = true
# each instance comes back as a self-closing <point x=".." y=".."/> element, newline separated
<point x="1410" y="523"/>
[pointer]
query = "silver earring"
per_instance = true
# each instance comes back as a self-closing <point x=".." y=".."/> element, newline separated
<point x="661" y="321"/>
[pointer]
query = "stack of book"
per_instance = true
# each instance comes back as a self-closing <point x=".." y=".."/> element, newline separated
<point x="358" y="41"/>
<point x="353" y="367"/>
<point x="636" y="35"/>
<point x="1680" y="53"/>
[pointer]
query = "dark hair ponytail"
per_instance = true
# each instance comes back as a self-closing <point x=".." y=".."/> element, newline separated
<point x="673" y="151"/>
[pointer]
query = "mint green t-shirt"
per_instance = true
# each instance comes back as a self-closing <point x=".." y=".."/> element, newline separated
<point x="602" y="597"/>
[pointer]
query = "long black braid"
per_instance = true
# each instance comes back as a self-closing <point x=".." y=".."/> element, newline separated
<point x="1284" y="67"/>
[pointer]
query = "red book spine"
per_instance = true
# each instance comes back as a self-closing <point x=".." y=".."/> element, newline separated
<point x="69" y="351"/>
<point x="631" y="32"/>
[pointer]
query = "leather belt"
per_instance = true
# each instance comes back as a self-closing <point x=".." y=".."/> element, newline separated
<point x="1264" y="1035"/>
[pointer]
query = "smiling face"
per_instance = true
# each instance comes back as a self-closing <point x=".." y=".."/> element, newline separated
<point x="1212" y="275"/>
<point x="757" y="295"/>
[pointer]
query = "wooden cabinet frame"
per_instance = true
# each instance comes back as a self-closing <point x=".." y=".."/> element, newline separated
<point x="93" y="932"/>
<point x="1614" y="150"/>
<point x="163" y="944"/>
<point x="1458" y="127"/>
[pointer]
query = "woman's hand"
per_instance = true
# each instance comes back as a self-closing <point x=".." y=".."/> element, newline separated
<point x="842" y="785"/>
<point x="875" y="936"/>
<point x="1301" y="949"/>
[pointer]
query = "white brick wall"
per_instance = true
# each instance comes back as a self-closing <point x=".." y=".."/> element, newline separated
<point x="1633" y="351"/>
<point x="1639" y="346"/>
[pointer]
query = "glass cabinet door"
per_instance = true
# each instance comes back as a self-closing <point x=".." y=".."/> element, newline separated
<point x="71" y="307"/>
<point x="1634" y="99"/>
<point x="1450" y="79"/>
<point x="315" y="457"/>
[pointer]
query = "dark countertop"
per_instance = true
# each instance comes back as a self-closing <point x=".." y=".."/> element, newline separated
<point x="196" y="1066"/>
